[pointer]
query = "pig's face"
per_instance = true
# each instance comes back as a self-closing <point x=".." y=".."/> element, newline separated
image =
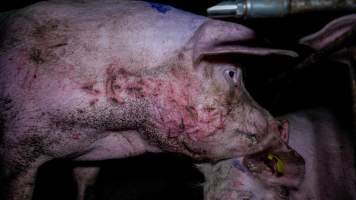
<point x="209" y="112"/>
<point x="201" y="107"/>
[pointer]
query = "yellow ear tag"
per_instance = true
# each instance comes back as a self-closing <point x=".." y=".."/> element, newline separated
<point x="278" y="163"/>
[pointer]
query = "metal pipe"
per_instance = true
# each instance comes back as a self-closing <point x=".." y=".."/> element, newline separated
<point x="276" y="8"/>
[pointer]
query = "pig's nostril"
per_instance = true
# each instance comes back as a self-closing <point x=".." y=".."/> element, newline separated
<point x="280" y="127"/>
<point x="283" y="130"/>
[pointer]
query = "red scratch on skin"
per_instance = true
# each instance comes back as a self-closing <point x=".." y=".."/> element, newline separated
<point x="237" y="184"/>
<point x="135" y="91"/>
<point x="121" y="83"/>
<point x="111" y="85"/>
<point x="159" y="110"/>
<point x="29" y="77"/>
<point x="116" y="100"/>
<point x="75" y="136"/>
<point x="209" y="122"/>
<point x="222" y="122"/>
<point x="174" y="72"/>
<point x="125" y="73"/>
<point x="111" y="77"/>
<point x="89" y="88"/>
<point x="93" y="102"/>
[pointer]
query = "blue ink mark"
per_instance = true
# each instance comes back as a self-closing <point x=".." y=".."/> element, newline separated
<point x="159" y="7"/>
<point x="237" y="164"/>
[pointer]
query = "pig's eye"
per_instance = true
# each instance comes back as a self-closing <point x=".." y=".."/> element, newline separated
<point x="231" y="76"/>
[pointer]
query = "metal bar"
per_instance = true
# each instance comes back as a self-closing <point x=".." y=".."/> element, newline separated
<point x="276" y="8"/>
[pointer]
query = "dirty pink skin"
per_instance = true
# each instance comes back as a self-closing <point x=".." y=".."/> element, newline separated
<point x="329" y="168"/>
<point x="104" y="80"/>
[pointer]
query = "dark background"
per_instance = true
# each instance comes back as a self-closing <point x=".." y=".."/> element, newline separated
<point x="169" y="176"/>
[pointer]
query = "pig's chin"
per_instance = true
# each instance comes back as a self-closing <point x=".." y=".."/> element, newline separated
<point x="277" y="166"/>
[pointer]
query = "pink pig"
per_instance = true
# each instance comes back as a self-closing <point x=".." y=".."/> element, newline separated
<point x="110" y="79"/>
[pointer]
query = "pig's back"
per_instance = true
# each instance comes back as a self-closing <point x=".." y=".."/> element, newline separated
<point x="132" y="31"/>
<point x="56" y="51"/>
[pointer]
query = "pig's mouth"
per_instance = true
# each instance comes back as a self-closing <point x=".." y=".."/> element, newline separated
<point x="277" y="166"/>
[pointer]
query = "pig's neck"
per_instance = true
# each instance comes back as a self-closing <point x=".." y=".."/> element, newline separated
<point x="173" y="114"/>
<point x="168" y="94"/>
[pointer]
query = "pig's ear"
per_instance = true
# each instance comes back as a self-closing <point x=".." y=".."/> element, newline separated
<point x="215" y="37"/>
<point x="329" y="33"/>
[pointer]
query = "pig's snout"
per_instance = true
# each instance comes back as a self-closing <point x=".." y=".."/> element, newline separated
<point x="277" y="163"/>
<point x="281" y="128"/>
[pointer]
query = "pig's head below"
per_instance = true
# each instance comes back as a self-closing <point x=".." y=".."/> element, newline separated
<point x="252" y="177"/>
<point x="269" y="174"/>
